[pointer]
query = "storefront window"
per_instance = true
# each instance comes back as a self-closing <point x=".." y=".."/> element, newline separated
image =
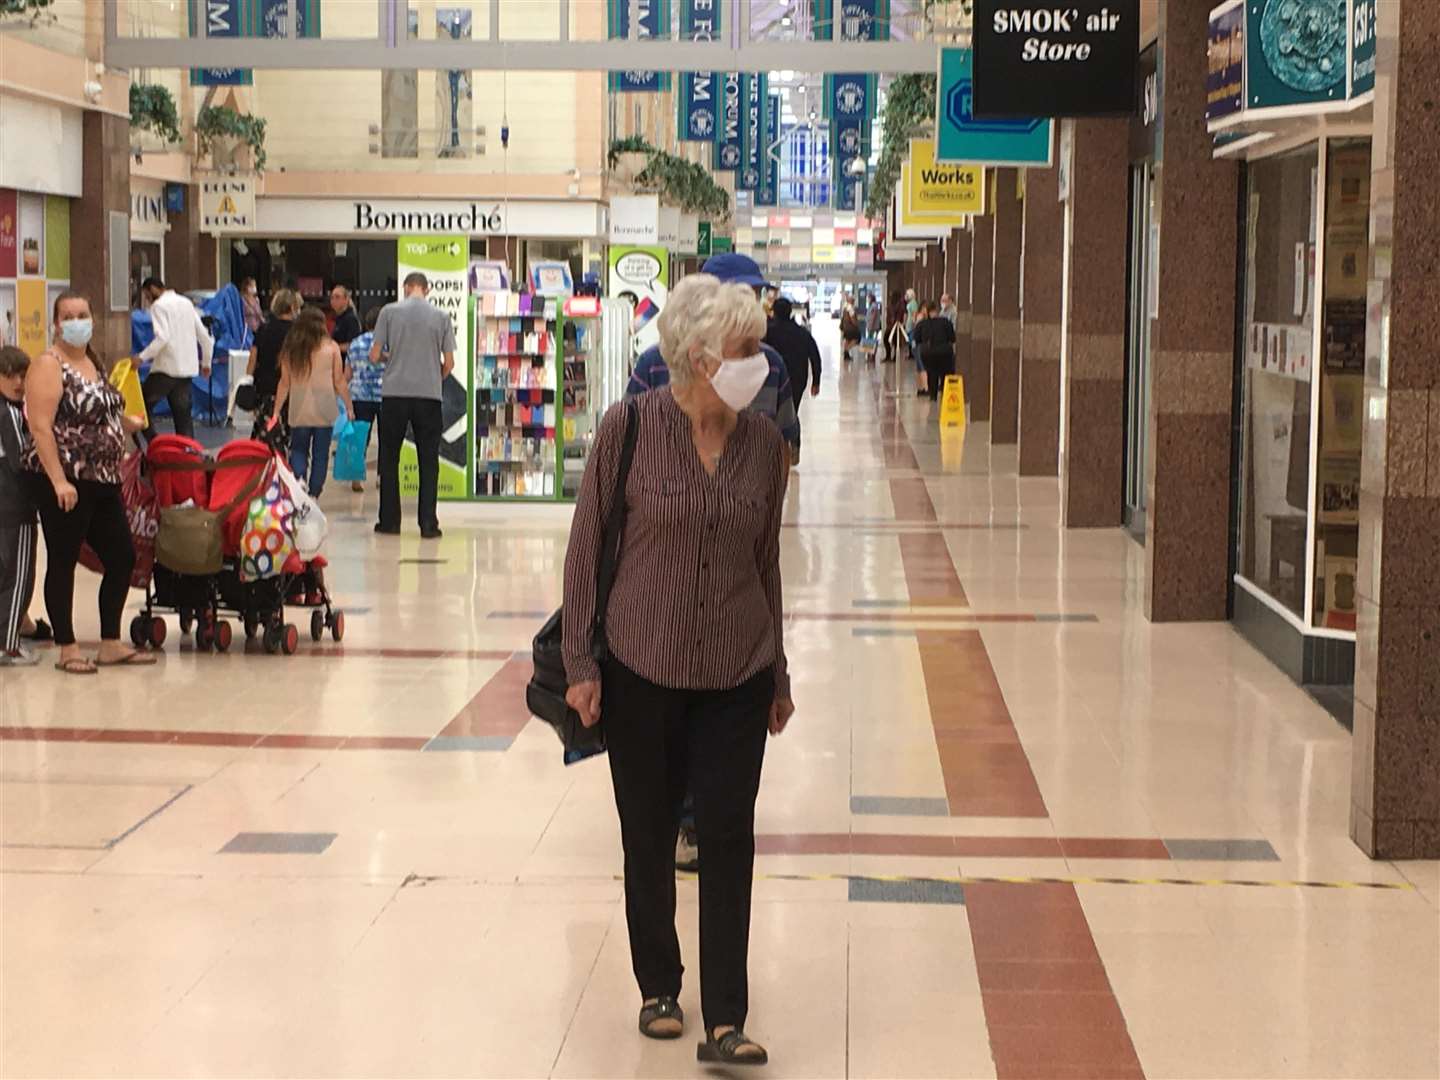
<point x="1281" y="234"/>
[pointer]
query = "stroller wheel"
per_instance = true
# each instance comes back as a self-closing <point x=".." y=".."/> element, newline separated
<point x="272" y="639"/>
<point x="187" y="621"/>
<point x="337" y="626"/>
<point x="224" y="635"/>
<point x="140" y="631"/>
<point x="252" y="628"/>
<point x="289" y="639"/>
<point x="205" y="636"/>
<point x="317" y="625"/>
<point x="158" y="631"/>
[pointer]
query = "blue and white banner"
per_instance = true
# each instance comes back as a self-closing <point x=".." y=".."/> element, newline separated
<point x="858" y="20"/>
<point x="700" y="20"/>
<point x="699" y="101"/>
<point x="653" y="22"/>
<point x="731" y="116"/>
<point x="851" y="107"/>
<point x="768" y="193"/>
<point x="247" y="18"/>
<point x="752" y="133"/>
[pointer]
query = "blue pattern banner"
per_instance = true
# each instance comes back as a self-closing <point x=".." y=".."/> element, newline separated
<point x="768" y="193"/>
<point x="699" y="101"/>
<point x="858" y="20"/>
<point x="247" y="18"/>
<point x="700" y="20"/>
<point x="653" y="22"/>
<point x="753" y="138"/>
<point x="731" y="117"/>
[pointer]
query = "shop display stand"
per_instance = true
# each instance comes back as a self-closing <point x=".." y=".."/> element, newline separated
<point x="596" y="370"/>
<point x="519" y="445"/>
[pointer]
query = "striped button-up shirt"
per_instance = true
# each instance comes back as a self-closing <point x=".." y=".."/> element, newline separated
<point x="696" y="601"/>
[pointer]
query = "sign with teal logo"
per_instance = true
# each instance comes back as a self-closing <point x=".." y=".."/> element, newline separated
<point x="962" y="139"/>
<point x="1295" y="52"/>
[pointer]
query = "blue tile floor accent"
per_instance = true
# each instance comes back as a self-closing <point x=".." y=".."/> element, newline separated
<point x="1222" y="850"/>
<point x="472" y="743"/>
<point x="279" y="843"/>
<point x="881" y="631"/>
<point x="915" y="891"/>
<point x="1067" y="618"/>
<point x="898" y="806"/>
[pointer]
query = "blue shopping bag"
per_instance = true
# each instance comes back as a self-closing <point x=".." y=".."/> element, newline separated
<point x="350" y="451"/>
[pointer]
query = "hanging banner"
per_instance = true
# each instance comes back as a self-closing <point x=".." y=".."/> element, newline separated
<point x="768" y="193"/>
<point x="943" y="189"/>
<point x="702" y="239"/>
<point x="642" y="276"/>
<point x="1296" y="54"/>
<point x="652" y="21"/>
<point x="454" y="93"/>
<point x="1362" y="46"/>
<point x="698" y="105"/>
<point x="1036" y="58"/>
<point x="850" y="102"/>
<point x="731" y="117"/>
<point x="1225" y="62"/>
<point x="961" y="138"/>
<point x="907" y="214"/>
<point x="858" y="20"/>
<point x="699" y="20"/>
<point x="248" y="18"/>
<point x="445" y="262"/>
<point x="752" y="133"/>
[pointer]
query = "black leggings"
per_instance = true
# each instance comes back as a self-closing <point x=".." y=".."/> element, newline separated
<point x="99" y="520"/>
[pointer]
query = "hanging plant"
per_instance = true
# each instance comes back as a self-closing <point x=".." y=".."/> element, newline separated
<point x="909" y="107"/>
<point x="633" y="144"/>
<point x="34" y="10"/>
<point x="216" y="124"/>
<point x="152" y="108"/>
<point x="686" y="184"/>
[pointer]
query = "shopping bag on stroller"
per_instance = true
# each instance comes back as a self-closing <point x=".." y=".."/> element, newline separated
<point x="142" y="510"/>
<point x="350" y="451"/>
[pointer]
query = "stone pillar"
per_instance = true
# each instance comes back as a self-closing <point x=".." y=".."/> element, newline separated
<point x="189" y="253"/>
<point x="1043" y="274"/>
<point x="982" y="273"/>
<point x="1093" y="477"/>
<point x="104" y="189"/>
<point x="959" y="244"/>
<point x="1005" y="311"/>
<point x="1187" y="527"/>
<point x="1395" y="772"/>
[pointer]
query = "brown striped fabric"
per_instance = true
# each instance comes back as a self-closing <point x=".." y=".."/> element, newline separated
<point x="696" y="602"/>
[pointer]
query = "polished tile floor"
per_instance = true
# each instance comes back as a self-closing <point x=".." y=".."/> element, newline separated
<point x="1014" y="830"/>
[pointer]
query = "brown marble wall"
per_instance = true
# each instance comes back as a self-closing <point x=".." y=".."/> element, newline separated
<point x="1187" y="526"/>
<point x="982" y="273"/>
<point x="1395" y="772"/>
<point x="189" y="253"/>
<point x="1093" y="484"/>
<point x="959" y="289"/>
<point x="1042" y="271"/>
<point x="1005" y="311"/>
<point x="105" y="187"/>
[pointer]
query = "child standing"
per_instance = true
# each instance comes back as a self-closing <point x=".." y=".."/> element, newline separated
<point x="365" y="380"/>
<point x="17" y="512"/>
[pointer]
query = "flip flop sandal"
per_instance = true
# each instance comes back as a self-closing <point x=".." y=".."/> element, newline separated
<point x="42" y="632"/>
<point x="132" y="659"/>
<point x="666" y="1008"/>
<point x="726" y="1050"/>
<point x="76" y="665"/>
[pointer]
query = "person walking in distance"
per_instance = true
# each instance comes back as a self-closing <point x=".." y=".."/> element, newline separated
<point x="415" y="341"/>
<point x="797" y="347"/>
<point x="935" y="340"/>
<point x="181" y="350"/>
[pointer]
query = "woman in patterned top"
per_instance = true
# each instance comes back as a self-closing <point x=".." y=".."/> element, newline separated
<point x="78" y="422"/>
<point x="696" y="673"/>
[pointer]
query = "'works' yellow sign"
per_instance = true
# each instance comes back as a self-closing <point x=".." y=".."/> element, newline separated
<point x="943" y="189"/>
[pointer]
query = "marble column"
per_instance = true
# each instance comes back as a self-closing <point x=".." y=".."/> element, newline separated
<point x="1005" y="311"/>
<point x="1042" y="270"/>
<point x="982" y="273"/>
<point x="1093" y="331"/>
<point x="189" y="253"/>
<point x="104" y="190"/>
<point x="1187" y="526"/>
<point x="1395" y="771"/>
<point x="959" y="288"/>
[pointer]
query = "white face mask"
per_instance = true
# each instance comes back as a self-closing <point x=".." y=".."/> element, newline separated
<point x="738" y="381"/>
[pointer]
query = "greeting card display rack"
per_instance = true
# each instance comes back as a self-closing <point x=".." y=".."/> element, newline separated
<point x="518" y="356"/>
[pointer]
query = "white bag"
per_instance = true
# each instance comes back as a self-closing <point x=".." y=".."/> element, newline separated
<point x="308" y="524"/>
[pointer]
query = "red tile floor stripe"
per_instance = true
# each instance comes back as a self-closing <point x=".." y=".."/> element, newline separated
<point x="499" y="708"/>
<point x="1049" y="1008"/>
<point x="950" y="846"/>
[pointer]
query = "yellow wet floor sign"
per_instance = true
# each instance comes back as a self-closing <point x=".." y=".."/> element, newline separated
<point x="952" y="402"/>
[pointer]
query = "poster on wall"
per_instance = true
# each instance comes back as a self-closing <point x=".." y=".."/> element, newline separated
<point x="30" y="318"/>
<point x="445" y="261"/>
<point x="454" y="90"/>
<point x="642" y="276"/>
<point x="30" y="241"/>
<point x="9" y="227"/>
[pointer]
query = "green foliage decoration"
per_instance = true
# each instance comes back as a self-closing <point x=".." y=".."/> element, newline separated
<point x="152" y="108"/>
<point x="220" y="121"/>
<point x="909" y="107"/>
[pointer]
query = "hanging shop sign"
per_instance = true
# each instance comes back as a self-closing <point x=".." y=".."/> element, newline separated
<point x="1295" y="53"/>
<point x="698" y="105"/>
<point x="1362" y="47"/>
<point x="689" y="243"/>
<point x="652" y="20"/>
<point x="703" y="243"/>
<point x="635" y="219"/>
<point x="728" y="150"/>
<point x="1039" y="58"/>
<point x="700" y="20"/>
<point x="669" y="228"/>
<point x="642" y="276"/>
<point x="943" y="189"/>
<point x="961" y="137"/>
<point x="445" y="262"/>
<point x="149" y="220"/>
<point x="1225" y="68"/>
<point x="910" y="226"/>
<point x="227" y="204"/>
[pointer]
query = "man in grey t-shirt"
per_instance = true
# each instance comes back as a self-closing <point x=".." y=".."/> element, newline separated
<point x="415" y="341"/>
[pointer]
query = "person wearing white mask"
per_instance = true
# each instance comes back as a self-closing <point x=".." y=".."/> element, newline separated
<point x="694" y="674"/>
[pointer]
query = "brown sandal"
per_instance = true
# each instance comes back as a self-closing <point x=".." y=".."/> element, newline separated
<point x="76" y="665"/>
<point x="134" y="658"/>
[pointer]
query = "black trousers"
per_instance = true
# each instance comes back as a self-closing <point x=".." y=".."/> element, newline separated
<point x="937" y="366"/>
<point x="98" y="520"/>
<point x="662" y="742"/>
<point x="17" y="580"/>
<point x="419" y="417"/>
<point x="161" y="387"/>
<point x="367" y="410"/>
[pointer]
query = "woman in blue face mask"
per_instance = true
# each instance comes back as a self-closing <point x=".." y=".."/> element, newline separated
<point x="693" y="675"/>
<point x="78" y="423"/>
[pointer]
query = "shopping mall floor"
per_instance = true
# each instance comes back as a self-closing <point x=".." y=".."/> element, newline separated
<point x="1014" y="829"/>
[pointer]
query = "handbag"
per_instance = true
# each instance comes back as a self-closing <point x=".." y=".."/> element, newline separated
<point x="545" y="693"/>
<point x="350" y="451"/>
<point x="190" y="539"/>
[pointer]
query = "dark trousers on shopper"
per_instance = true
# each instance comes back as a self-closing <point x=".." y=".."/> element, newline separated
<point x="161" y="387"/>
<point x="99" y="520"/>
<point x="17" y="581"/>
<point x="370" y="411"/>
<point x="713" y="742"/>
<point x="937" y="366"/>
<point x="420" y="419"/>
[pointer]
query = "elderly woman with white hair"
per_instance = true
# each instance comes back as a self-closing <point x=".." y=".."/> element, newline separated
<point x="694" y="673"/>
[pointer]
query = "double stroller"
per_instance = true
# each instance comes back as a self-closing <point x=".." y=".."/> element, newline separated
<point x="263" y="570"/>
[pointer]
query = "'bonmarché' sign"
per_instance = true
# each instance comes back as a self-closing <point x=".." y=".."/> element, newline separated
<point x="473" y="220"/>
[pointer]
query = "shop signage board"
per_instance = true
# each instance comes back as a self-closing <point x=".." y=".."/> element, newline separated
<point x="1040" y="58"/>
<point x="1225" y="72"/>
<point x="1295" y="53"/>
<point x="669" y="228"/>
<point x="721" y="244"/>
<point x="698" y="105"/>
<point x="943" y="189"/>
<point x="445" y="262"/>
<point x="635" y="219"/>
<point x="703" y="238"/>
<point x="689" y="235"/>
<point x="652" y="20"/>
<point x="227" y="204"/>
<point x="642" y="276"/>
<point x="730" y="116"/>
<point x="286" y="216"/>
<point x="909" y="226"/>
<point x="1362" y="46"/>
<point x="964" y="139"/>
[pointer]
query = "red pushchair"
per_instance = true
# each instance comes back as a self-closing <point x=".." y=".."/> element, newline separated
<point x="180" y="472"/>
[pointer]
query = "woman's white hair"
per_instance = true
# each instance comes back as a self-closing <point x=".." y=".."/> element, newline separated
<point x="701" y="314"/>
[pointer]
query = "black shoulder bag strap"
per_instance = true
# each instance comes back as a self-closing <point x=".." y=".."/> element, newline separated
<point x="614" y="535"/>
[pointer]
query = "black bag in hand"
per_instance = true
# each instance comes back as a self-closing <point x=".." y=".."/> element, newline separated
<point x="545" y="695"/>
